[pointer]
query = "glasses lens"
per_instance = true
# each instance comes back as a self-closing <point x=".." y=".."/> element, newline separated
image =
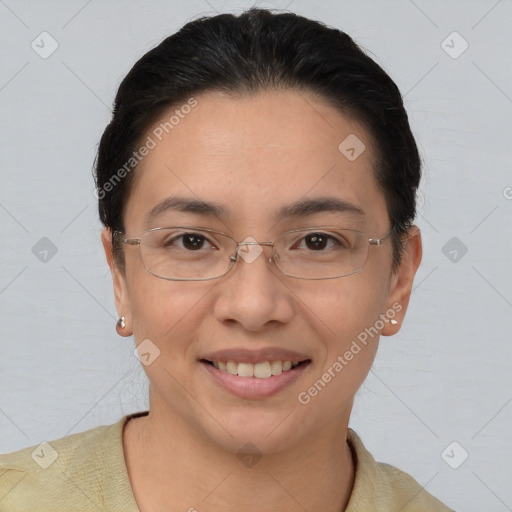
<point x="321" y="253"/>
<point x="186" y="253"/>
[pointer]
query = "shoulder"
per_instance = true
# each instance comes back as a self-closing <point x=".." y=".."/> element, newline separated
<point x="43" y="456"/>
<point x="380" y="486"/>
<point x="64" y="474"/>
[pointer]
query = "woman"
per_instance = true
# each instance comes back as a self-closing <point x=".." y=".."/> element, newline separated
<point x="257" y="186"/>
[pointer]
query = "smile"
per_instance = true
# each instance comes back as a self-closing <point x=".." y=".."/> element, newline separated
<point x="261" y="370"/>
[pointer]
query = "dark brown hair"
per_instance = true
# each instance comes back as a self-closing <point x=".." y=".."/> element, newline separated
<point x="256" y="50"/>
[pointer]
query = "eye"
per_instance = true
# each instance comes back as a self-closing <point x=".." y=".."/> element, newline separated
<point x="320" y="241"/>
<point x="189" y="241"/>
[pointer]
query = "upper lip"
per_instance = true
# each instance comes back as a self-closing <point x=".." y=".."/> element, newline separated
<point x="242" y="355"/>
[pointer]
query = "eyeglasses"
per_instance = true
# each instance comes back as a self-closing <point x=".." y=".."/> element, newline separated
<point x="184" y="253"/>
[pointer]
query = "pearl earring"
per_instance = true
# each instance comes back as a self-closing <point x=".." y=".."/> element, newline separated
<point x="121" y="322"/>
<point x="393" y="321"/>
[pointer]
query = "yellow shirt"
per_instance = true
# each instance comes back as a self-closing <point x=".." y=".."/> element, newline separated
<point x="87" y="472"/>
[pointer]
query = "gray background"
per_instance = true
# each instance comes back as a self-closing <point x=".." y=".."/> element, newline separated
<point x="446" y="377"/>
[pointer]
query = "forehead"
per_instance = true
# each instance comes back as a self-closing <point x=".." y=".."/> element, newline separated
<point x="255" y="153"/>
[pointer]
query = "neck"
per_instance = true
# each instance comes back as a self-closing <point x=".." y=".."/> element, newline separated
<point x="170" y="462"/>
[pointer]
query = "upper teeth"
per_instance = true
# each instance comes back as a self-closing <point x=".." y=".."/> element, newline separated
<point x="262" y="370"/>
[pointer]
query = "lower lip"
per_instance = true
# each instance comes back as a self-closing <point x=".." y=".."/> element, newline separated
<point x="253" y="388"/>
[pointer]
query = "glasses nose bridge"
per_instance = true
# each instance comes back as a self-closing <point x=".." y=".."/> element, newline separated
<point x="256" y="243"/>
<point x="271" y="244"/>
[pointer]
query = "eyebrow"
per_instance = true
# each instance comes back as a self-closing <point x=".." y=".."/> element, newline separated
<point x="187" y="205"/>
<point x="302" y="208"/>
<point x="319" y="205"/>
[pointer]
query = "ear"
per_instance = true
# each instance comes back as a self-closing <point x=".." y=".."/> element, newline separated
<point x="120" y="287"/>
<point x="402" y="280"/>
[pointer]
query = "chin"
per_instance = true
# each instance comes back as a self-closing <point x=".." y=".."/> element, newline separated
<point x="255" y="430"/>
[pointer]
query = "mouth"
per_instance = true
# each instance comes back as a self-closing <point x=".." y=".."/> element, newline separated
<point x="259" y="370"/>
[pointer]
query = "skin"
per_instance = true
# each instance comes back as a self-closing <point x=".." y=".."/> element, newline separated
<point x="254" y="154"/>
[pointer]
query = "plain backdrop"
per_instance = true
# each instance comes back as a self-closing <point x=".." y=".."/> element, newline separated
<point x="439" y="391"/>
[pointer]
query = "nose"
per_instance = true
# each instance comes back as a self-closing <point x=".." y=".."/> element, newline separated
<point x="252" y="293"/>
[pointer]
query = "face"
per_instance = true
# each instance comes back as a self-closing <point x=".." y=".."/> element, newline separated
<point x="253" y="156"/>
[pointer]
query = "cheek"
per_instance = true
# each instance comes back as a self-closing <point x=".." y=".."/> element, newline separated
<point x="166" y="311"/>
<point x="345" y="306"/>
<point x="349" y="312"/>
<point x="346" y="313"/>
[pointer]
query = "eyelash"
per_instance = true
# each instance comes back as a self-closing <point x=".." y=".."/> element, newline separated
<point x="338" y="243"/>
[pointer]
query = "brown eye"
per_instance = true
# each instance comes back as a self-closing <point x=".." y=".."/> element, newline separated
<point x="317" y="241"/>
<point x="193" y="241"/>
<point x="188" y="241"/>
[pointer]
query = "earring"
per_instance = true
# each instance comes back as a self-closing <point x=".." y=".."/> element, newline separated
<point x="121" y="323"/>
<point x="393" y="321"/>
